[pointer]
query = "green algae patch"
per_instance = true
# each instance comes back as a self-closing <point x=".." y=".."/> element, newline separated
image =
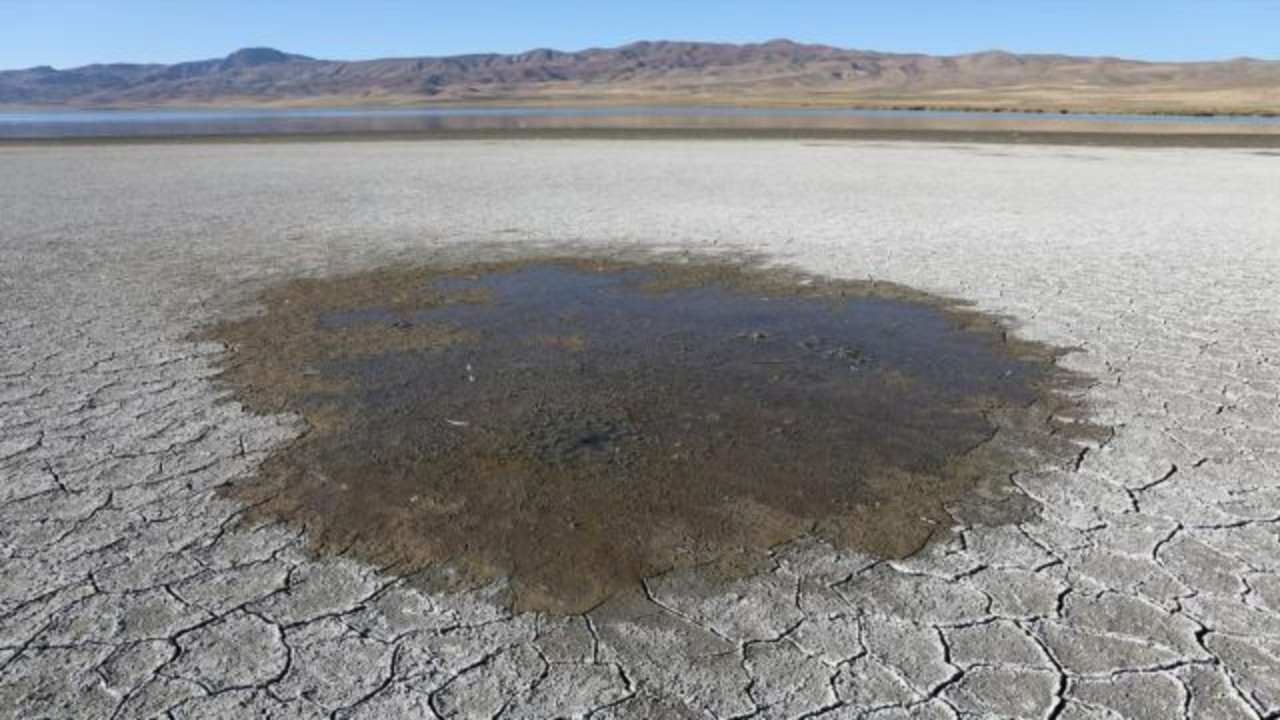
<point x="574" y="425"/>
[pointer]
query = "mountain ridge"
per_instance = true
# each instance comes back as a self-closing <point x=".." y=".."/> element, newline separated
<point x="779" y="71"/>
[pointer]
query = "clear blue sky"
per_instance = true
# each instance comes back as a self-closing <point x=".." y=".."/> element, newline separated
<point x="74" y="32"/>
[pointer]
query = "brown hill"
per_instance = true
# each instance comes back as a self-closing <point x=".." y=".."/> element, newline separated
<point x="776" y="72"/>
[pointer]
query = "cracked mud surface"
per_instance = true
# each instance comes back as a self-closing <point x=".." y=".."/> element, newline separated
<point x="1147" y="585"/>
<point x="574" y="427"/>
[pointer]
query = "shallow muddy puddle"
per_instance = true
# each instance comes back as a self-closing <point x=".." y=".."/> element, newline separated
<point x="574" y="426"/>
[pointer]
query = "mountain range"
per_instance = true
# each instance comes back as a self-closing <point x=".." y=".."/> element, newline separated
<point x="778" y="72"/>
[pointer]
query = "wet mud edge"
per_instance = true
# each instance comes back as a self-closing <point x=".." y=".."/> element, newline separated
<point x="571" y="425"/>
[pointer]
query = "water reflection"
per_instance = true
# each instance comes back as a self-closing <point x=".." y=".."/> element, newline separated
<point x="290" y="121"/>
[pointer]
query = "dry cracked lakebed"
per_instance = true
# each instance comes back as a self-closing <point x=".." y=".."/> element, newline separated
<point x="575" y="425"/>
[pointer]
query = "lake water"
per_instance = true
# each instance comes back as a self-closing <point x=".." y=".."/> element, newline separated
<point x="362" y="120"/>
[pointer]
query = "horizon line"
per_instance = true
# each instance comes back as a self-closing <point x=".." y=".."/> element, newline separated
<point x="374" y="58"/>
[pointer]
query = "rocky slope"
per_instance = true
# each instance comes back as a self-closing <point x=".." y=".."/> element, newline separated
<point x="774" y="72"/>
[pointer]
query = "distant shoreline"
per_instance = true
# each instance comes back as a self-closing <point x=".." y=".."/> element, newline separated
<point x="797" y="104"/>
<point x="1135" y="139"/>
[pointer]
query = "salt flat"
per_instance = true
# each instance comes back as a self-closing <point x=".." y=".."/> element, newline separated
<point x="1149" y="585"/>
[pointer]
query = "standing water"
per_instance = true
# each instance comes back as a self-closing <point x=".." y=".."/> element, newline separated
<point x="574" y="426"/>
